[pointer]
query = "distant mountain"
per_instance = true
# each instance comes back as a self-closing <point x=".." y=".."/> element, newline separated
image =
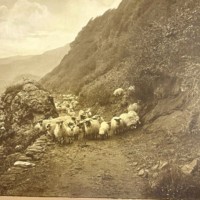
<point x="36" y="65"/>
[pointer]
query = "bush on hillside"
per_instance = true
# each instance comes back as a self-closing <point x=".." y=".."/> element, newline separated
<point x="173" y="184"/>
<point x="104" y="97"/>
<point x="14" y="89"/>
<point x="99" y="95"/>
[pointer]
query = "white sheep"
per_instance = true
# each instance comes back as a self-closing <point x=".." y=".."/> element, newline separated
<point x="81" y="115"/>
<point x="60" y="132"/>
<point x="133" y="107"/>
<point x="71" y="112"/>
<point x="91" y="128"/>
<point x="131" y="88"/>
<point x="88" y="113"/>
<point x="2" y="129"/>
<point x="59" y="108"/>
<point x="56" y="104"/>
<point x="130" y="119"/>
<point x="74" y="103"/>
<point x="50" y="130"/>
<point x="74" y="120"/>
<point x="81" y="125"/>
<point x="116" y="125"/>
<point x="134" y="119"/>
<point x="69" y="134"/>
<point x="63" y="108"/>
<point x="81" y="112"/>
<point x="104" y="130"/>
<point x="54" y="121"/>
<point x="125" y="120"/>
<point x="39" y="126"/>
<point x="76" y="132"/>
<point x="118" y="92"/>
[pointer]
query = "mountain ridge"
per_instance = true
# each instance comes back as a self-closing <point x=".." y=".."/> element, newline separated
<point x="20" y="61"/>
<point x="150" y="44"/>
<point x="34" y="65"/>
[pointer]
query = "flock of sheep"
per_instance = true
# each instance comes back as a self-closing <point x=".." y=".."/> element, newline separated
<point x="74" y="124"/>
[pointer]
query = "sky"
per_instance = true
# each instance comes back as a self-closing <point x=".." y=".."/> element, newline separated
<point x="29" y="27"/>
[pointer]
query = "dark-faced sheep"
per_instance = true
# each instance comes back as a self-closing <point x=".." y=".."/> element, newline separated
<point x="116" y="125"/>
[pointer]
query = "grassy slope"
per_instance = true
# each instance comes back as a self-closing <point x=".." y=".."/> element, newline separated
<point x="142" y="42"/>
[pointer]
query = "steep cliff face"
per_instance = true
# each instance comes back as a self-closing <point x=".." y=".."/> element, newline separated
<point x="152" y="44"/>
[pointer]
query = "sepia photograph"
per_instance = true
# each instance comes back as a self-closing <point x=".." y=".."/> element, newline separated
<point x="100" y="99"/>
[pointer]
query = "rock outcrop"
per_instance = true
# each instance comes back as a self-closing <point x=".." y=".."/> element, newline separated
<point x="25" y="103"/>
<point x="21" y="106"/>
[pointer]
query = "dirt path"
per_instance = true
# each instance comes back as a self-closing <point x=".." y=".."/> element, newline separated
<point x="94" y="169"/>
<point x="100" y="168"/>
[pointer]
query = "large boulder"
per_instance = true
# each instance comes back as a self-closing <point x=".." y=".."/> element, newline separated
<point x="25" y="103"/>
<point x="21" y="106"/>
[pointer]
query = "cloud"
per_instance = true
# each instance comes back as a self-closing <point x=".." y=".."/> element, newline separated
<point x="26" y="28"/>
<point x="3" y="12"/>
<point x="30" y="27"/>
<point x="23" y="18"/>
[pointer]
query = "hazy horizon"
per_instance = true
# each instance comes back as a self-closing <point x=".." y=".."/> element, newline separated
<point x="31" y="27"/>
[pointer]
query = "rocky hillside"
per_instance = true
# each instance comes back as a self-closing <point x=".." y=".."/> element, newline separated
<point x="37" y="65"/>
<point x="152" y="44"/>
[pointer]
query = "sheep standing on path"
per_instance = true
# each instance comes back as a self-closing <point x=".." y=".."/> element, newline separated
<point x="116" y="125"/>
<point x="91" y="128"/>
<point x="50" y="130"/>
<point x="104" y="130"/>
<point x="134" y="119"/>
<point x="60" y="132"/>
<point x="125" y="121"/>
<point x="69" y="134"/>
<point x="81" y="115"/>
<point x="76" y="132"/>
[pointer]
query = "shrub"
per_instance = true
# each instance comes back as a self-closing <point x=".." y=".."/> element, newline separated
<point x="100" y="94"/>
<point x="104" y="98"/>
<point x="171" y="183"/>
<point x="14" y="89"/>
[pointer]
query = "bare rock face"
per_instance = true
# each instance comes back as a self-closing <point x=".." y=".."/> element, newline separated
<point x="25" y="103"/>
